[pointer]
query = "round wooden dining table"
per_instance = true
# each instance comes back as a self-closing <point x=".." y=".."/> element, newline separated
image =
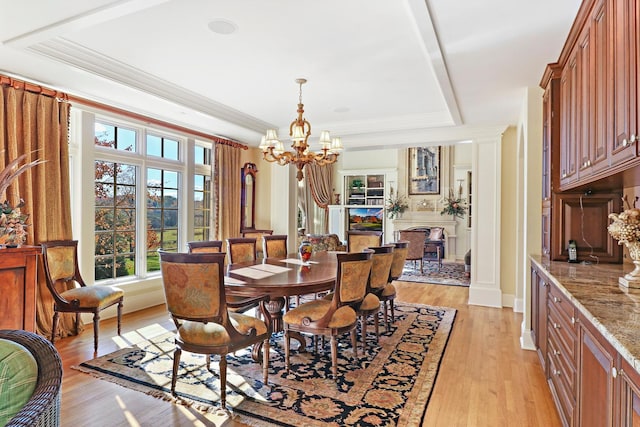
<point x="282" y="279"/>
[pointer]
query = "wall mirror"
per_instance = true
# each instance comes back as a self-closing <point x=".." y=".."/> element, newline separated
<point x="248" y="197"/>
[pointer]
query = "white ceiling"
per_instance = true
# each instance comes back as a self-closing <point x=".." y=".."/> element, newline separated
<point x="380" y="72"/>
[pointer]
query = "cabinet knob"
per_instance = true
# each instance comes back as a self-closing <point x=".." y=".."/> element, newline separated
<point x="556" y="299"/>
<point x="625" y="142"/>
<point x="556" y="326"/>
<point x="573" y="320"/>
<point x="614" y="372"/>
<point x="556" y="353"/>
<point x="556" y="372"/>
<point x="633" y="138"/>
<point x="564" y="175"/>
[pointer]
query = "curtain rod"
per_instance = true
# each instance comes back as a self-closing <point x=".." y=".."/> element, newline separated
<point x="61" y="96"/>
<point x="32" y="87"/>
<point x="141" y="117"/>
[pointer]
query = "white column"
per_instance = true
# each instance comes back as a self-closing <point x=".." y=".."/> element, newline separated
<point x="485" y="243"/>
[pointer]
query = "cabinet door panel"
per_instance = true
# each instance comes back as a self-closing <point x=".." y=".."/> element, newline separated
<point x="625" y="57"/>
<point x="630" y="396"/>
<point x="595" y="407"/>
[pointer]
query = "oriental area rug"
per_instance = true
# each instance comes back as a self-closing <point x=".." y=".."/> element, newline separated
<point x="389" y="385"/>
<point x="451" y="273"/>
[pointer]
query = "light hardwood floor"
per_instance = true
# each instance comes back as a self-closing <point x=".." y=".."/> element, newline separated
<point x="485" y="379"/>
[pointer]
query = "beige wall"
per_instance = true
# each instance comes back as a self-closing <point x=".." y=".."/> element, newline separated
<point x="508" y="223"/>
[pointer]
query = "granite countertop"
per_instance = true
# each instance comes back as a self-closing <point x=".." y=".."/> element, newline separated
<point x="613" y="309"/>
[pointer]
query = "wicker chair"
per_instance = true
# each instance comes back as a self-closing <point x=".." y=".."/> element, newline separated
<point x="43" y="408"/>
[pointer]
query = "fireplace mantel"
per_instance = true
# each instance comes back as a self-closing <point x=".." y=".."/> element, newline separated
<point x="431" y="219"/>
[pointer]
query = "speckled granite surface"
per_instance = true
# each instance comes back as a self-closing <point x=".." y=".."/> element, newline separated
<point x="594" y="290"/>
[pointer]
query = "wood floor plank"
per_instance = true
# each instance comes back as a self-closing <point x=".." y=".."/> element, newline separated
<point x="485" y="379"/>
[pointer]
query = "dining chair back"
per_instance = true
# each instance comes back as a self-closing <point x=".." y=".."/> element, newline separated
<point x="69" y="291"/>
<point x="257" y="234"/>
<point x="205" y="246"/>
<point x="275" y="246"/>
<point x="357" y="241"/>
<point x="215" y="246"/>
<point x="195" y="296"/>
<point x="241" y="249"/>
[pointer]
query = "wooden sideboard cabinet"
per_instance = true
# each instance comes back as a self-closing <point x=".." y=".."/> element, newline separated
<point x="591" y="382"/>
<point x="18" y="272"/>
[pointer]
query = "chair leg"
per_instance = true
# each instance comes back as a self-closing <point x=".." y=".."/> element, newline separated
<point x="363" y="321"/>
<point x="376" y="325"/>
<point x="393" y="317"/>
<point x="119" y="316"/>
<point x="386" y="318"/>
<point x="96" y="321"/>
<point x="223" y="381"/>
<point x="176" y="363"/>
<point x="334" y="357"/>
<point x="354" y="342"/>
<point x="265" y="361"/>
<point x="54" y="326"/>
<point x="286" y="349"/>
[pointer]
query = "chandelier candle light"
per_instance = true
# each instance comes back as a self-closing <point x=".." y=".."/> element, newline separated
<point x="300" y="130"/>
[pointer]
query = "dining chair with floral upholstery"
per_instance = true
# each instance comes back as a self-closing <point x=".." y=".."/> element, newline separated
<point x="336" y="316"/>
<point x="69" y="291"/>
<point x="241" y="249"/>
<point x="357" y="241"/>
<point x="195" y="296"/>
<point x="275" y="246"/>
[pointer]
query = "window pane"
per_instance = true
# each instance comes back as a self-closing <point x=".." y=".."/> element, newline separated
<point x="154" y="146"/>
<point x="170" y="149"/>
<point x="201" y="207"/>
<point x="163" y="200"/>
<point x="115" y="137"/>
<point x="126" y="139"/>
<point x="115" y="220"/>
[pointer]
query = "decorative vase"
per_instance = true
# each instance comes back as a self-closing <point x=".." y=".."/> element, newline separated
<point x="305" y="250"/>
<point x="632" y="279"/>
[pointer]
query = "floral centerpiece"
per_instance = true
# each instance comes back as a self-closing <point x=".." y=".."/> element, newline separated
<point x="13" y="222"/>
<point x="453" y="205"/>
<point x="396" y="205"/>
<point x="625" y="228"/>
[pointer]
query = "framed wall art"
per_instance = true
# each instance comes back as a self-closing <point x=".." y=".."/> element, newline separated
<point x="424" y="170"/>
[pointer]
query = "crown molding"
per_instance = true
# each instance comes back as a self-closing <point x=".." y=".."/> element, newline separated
<point x="78" y="56"/>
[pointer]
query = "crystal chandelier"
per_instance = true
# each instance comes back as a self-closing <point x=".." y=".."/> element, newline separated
<point x="300" y="130"/>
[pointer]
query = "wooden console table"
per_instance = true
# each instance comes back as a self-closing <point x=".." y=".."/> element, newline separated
<point x="18" y="273"/>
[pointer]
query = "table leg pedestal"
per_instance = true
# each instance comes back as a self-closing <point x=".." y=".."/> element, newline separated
<point x="275" y="308"/>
